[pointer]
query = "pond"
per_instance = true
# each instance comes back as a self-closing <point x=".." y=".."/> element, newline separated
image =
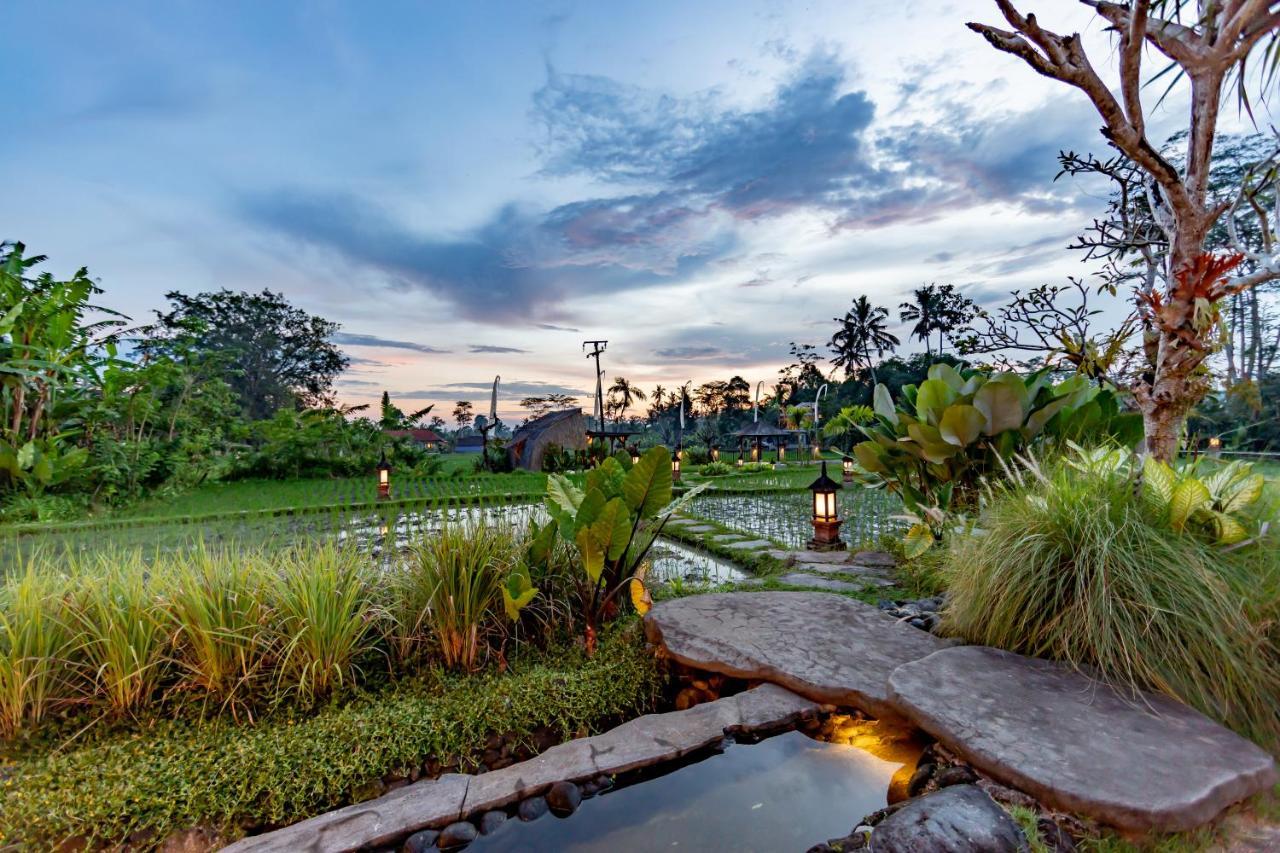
<point x="786" y="792"/>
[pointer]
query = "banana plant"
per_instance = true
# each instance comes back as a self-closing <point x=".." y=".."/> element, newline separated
<point x="613" y="521"/>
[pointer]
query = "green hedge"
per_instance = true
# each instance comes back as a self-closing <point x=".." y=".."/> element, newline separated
<point x="175" y="775"/>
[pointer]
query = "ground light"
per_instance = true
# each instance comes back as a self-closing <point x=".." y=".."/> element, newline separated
<point x="384" y="477"/>
<point x="817" y="450"/>
<point x="741" y="461"/>
<point x="826" y="514"/>
<point x="782" y="451"/>
<point x="847" y="462"/>
<point x="675" y="465"/>
<point x="635" y="455"/>
<point x="1215" y="446"/>
<point x="715" y="453"/>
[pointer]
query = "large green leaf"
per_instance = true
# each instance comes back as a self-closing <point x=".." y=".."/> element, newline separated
<point x="930" y="443"/>
<point x="647" y="487"/>
<point x="613" y="528"/>
<point x="871" y="457"/>
<point x="563" y="494"/>
<point x="592" y="553"/>
<point x="590" y="508"/>
<point x="961" y="425"/>
<point x="883" y="404"/>
<point x="1001" y="405"/>
<point x="932" y="399"/>
<point x="1158" y="481"/>
<point x="608" y="477"/>
<point x="948" y="374"/>
<point x="1189" y="496"/>
<point x="1042" y="415"/>
<point x="918" y="540"/>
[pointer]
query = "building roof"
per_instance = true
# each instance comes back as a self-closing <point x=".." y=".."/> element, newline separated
<point x="761" y="429"/>
<point x="426" y="436"/>
<point x="537" y="425"/>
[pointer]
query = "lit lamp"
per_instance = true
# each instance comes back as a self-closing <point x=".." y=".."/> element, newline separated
<point x="848" y="469"/>
<point x="826" y="512"/>
<point x="755" y="451"/>
<point x="715" y="453"/>
<point x="817" y="450"/>
<point x="782" y="451"/>
<point x="741" y="461"/>
<point x="635" y="455"/>
<point x="1215" y="446"/>
<point x="384" y="477"/>
<point x="675" y="465"/>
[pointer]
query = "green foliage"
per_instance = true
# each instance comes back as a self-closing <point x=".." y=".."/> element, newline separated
<point x="1076" y="564"/>
<point x="33" y="642"/>
<point x="613" y="522"/>
<point x="288" y="766"/>
<point x="956" y="428"/>
<point x="716" y="469"/>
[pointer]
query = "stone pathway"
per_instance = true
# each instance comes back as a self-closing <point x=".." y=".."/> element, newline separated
<point x="647" y="740"/>
<point x="826" y="647"/>
<point x="1078" y="745"/>
<point x="1073" y="743"/>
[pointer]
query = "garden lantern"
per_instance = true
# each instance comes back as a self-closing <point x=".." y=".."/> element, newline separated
<point x="741" y="461"/>
<point x="715" y="453"/>
<point x="755" y="451"/>
<point x="384" y="477"/>
<point x="675" y="465"/>
<point x="848" y="469"/>
<point x="817" y="450"/>
<point x="635" y="455"/>
<point x="782" y="451"/>
<point x="826" y="514"/>
<point x="1215" y="446"/>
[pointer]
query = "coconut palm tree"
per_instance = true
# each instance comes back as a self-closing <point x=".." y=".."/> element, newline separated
<point x="622" y="393"/>
<point x="862" y="329"/>
<point x="925" y="311"/>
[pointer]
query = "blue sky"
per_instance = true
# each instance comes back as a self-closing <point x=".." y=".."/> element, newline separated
<point x="473" y="189"/>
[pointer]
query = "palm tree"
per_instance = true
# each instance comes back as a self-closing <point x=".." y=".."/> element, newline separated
<point x="625" y="394"/>
<point x="862" y="329"/>
<point x="925" y="311"/>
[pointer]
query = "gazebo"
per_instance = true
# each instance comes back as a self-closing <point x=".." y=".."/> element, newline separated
<point x="758" y="432"/>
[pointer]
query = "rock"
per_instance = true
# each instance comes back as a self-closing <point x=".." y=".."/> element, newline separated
<point x="828" y="648"/>
<point x="420" y="842"/>
<point x="491" y="820"/>
<point x="749" y="545"/>
<point x="959" y="819"/>
<point x="1055" y="837"/>
<point x="603" y="782"/>
<point x="532" y="808"/>
<point x="564" y="798"/>
<point x="817" y="582"/>
<point x="955" y="775"/>
<point x="1078" y="745"/>
<point x="875" y="559"/>
<point x="589" y="789"/>
<point x="919" y="779"/>
<point x="457" y="834"/>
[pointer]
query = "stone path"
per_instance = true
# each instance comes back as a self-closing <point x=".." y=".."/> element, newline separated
<point x="1072" y="742"/>
<point x="1077" y="744"/>
<point x="644" y="741"/>
<point x="826" y="647"/>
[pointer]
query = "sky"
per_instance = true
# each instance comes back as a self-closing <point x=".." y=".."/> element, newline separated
<point x="474" y="189"/>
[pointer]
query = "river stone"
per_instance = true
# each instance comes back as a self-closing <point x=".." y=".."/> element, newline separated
<point x="825" y="647"/>
<point x="564" y="798"/>
<point x="420" y="842"/>
<point x="491" y="820"/>
<point x="532" y="808"/>
<point x="430" y="802"/>
<point x="959" y="819"/>
<point x="1077" y="744"/>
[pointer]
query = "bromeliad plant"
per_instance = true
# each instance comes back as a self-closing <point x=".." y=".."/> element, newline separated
<point x="613" y="521"/>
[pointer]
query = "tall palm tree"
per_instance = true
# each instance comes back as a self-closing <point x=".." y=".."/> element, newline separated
<point x="862" y="329"/>
<point x="925" y="311"/>
<point x="625" y="393"/>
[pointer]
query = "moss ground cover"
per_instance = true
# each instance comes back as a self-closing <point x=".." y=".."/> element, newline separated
<point x="166" y="775"/>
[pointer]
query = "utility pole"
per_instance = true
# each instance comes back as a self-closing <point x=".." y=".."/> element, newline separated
<point x="597" y="347"/>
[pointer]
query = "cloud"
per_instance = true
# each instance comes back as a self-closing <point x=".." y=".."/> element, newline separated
<point x="357" y="383"/>
<point x="554" y="328"/>
<point x="357" y="361"/>
<point x="479" y="348"/>
<point x="760" y="280"/>
<point x="691" y="353"/>
<point x="353" y="340"/>
<point x="506" y="390"/>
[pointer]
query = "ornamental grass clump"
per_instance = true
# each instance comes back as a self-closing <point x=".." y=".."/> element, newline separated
<point x="34" y="641"/>
<point x="1075" y="563"/>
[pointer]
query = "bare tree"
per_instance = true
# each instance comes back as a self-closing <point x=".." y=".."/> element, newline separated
<point x="1207" y="51"/>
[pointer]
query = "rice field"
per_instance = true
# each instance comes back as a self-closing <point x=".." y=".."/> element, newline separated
<point x="784" y="516"/>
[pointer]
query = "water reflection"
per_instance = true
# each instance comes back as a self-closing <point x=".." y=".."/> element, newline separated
<point x="784" y="793"/>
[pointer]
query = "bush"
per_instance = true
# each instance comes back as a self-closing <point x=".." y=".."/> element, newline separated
<point x="1078" y="565"/>
<point x="715" y="469"/>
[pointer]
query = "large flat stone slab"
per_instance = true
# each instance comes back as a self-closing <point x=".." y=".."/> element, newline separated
<point x="820" y="582"/>
<point x="647" y="740"/>
<point x="1077" y="744"/>
<point x="749" y="545"/>
<point x="825" y="647"/>
<point x="431" y="802"/>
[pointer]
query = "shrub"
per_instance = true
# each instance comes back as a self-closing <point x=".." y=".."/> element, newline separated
<point x="1078" y="565"/>
<point x="325" y="618"/>
<point x="33" y="643"/>
<point x="715" y="469"/>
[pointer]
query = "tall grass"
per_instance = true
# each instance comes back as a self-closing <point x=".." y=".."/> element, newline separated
<point x="122" y="632"/>
<point x="218" y="604"/>
<point x="452" y="585"/>
<point x="33" y="643"/>
<point x="325" y="618"/>
<point x="1076" y="567"/>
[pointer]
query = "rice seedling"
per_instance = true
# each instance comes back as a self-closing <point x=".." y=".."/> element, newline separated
<point x="121" y="631"/>
<point x="34" y="639"/>
<point x="217" y="603"/>
<point x="325" y="618"/>
<point x="452" y="585"/>
<point x="1074" y="565"/>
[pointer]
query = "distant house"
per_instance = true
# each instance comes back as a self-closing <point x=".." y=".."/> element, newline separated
<point x="529" y="443"/>
<point x="469" y="444"/>
<point x="425" y="438"/>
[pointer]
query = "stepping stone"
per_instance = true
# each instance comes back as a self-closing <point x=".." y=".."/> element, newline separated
<point x="878" y="559"/>
<point x="825" y="647"/>
<point x="820" y="556"/>
<point x="1077" y="744"/>
<point x="961" y="817"/>
<point x="749" y="545"/>
<point x="726" y="537"/>
<point x="854" y="571"/>
<point x="818" y="582"/>
<point x="699" y="528"/>
<point x="787" y="557"/>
